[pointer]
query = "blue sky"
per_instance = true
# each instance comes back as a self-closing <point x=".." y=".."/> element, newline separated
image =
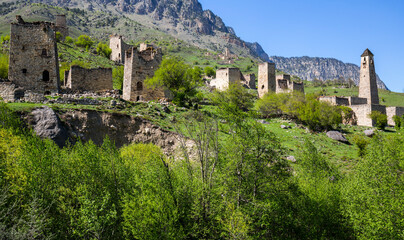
<point x="340" y="29"/>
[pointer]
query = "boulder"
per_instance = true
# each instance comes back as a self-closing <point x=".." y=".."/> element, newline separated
<point x="337" y="136"/>
<point x="285" y="127"/>
<point x="369" y="132"/>
<point x="291" y="159"/>
<point x="263" y="121"/>
<point x="46" y="124"/>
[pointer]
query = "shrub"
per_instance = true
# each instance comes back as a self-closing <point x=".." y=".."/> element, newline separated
<point x="69" y="40"/>
<point x="379" y="119"/>
<point x="117" y="77"/>
<point x="84" y="42"/>
<point x="104" y="50"/>
<point x="4" y="62"/>
<point x="58" y="36"/>
<point x="397" y="121"/>
<point x="210" y="72"/>
<point x="361" y="142"/>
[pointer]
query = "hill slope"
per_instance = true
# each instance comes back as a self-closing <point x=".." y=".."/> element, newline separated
<point x="310" y="68"/>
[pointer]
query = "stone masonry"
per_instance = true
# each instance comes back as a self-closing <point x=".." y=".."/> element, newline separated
<point x="61" y="26"/>
<point x="225" y="77"/>
<point x="266" y="78"/>
<point x="33" y="57"/>
<point x="140" y="65"/>
<point x="118" y="47"/>
<point x="250" y="81"/>
<point x="285" y="85"/>
<point x="368" y="84"/>
<point x="92" y="80"/>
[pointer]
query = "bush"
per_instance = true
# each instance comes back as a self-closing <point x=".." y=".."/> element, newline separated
<point x="4" y="62"/>
<point x="361" y="142"/>
<point x="84" y="42"/>
<point x="69" y="40"/>
<point x="397" y="122"/>
<point x="58" y="36"/>
<point x="104" y="50"/>
<point x="379" y="119"/>
<point x="210" y="72"/>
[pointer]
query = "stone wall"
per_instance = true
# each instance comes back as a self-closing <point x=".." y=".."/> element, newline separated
<point x="82" y="79"/>
<point x="118" y="47"/>
<point x="266" y="78"/>
<point x="33" y="57"/>
<point x="140" y="65"/>
<point x="357" y="100"/>
<point x="297" y="86"/>
<point x="393" y="111"/>
<point x="285" y="85"/>
<point x="250" y="81"/>
<point x="8" y="91"/>
<point x="362" y="113"/>
<point x="335" y="100"/>
<point x="225" y="77"/>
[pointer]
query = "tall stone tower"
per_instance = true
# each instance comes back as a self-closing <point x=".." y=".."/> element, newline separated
<point x="368" y="84"/>
<point x="140" y="65"/>
<point x="266" y="78"/>
<point x="118" y="47"/>
<point x="61" y="26"/>
<point x="33" y="57"/>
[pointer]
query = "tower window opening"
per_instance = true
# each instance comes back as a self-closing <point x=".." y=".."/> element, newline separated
<point x="139" y="86"/>
<point x="44" y="52"/>
<point x="45" y="76"/>
<point x="24" y="71"/>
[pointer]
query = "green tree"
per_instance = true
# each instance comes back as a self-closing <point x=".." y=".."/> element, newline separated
<point x="69" y="40"/>
<point x="178" y="77"/>
<point x="104" y="50"/>
<point x="379" y="119"/>
<point x="59" y="36"/>
<point x="210" y="72"/>
<point x="4" y="63"/>
<point x="397" y="122"/>
<point x="84" y="41"/>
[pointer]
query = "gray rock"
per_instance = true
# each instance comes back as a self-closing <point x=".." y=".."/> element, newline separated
<point x="337" y="136"/>
<point x="369" y="132"/>
<point x="285" y="127"/>
<point x="292" y="159"/>
<point x="46" y="124"/>
<point x="263" y="121"/>
<point x="113" y="103"/>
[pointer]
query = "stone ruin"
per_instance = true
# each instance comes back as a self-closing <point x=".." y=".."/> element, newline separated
<point x="34" y="67"/>
<point x="227" y="76"/>
<point x="141" y="64"/>
<point x="79" y="79"/>
<point x="61" y="26"/>
<point x="269" y="82"/>
<point x="118" y="47"/>
<point x="368" y="99"/>
<point x="285" y="85"/>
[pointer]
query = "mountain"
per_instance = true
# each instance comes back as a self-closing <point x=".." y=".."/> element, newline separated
<point x="182" y="19"/>
<point x="310" y="68"/>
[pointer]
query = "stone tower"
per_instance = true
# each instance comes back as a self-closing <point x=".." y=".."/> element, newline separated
<point x="33" y="57"/>
<point x="140" y="65"/>
<point x="368" y="84"/>
<point x="61" y="26"/>
<point x="266" y="78"/>
<point x="118" y="47"/>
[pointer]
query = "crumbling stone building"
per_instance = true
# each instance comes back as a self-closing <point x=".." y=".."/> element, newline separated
<point x="368" y="99"/>
<point x="80" y="79"/>
<point x="61" y="26"/>
<point x="118" y="47"/>
<point x="141" y="64"/>
<point x="225" y="77"/>
<point x="33" y="57"/>
<point x="285" y="85"/>
<point x="250" y="81"/>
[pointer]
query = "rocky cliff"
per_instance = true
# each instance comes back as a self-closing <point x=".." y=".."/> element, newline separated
<point x="310" y="68"/>
<point x="184" y="19"/>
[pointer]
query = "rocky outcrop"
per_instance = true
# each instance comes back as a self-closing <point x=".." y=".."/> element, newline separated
<point x="335" y="135"/>
<point x="46" y="124"/>
<point x="310" y="68"/>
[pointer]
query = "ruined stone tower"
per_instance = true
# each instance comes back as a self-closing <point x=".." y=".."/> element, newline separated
<point x="140" y="65"/>
<point x="368" y="84"/>
<point x="266" y="78"/>
<point x="61" y="26"/>
<point x="33" y="57"/>
<point x="118" y="47"/>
